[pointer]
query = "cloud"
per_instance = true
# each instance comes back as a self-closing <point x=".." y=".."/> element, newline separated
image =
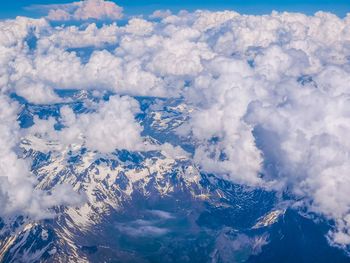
<point x="139" y="26"/>
<point x="141" y="228"/>
<point x="76" y="37"/>
<point x="36" y="93"/>
<point x="160" y="14"/>
<point x="161" y="214"/>
<point x="145" y="227"/>
<point x="84" y="10"/>
<point x="228" y="244"/>
<point x="111" y="126"/>
<point x="309" y="151"/>
<point x="18" y="192"/>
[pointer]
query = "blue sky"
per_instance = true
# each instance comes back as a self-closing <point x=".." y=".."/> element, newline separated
<point x="11" y="8"/>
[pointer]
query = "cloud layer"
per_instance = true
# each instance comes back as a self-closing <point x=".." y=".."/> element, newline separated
<point x="83" y="10"/>
<point x="111" y="126"/>
<point x="269" y="93"/>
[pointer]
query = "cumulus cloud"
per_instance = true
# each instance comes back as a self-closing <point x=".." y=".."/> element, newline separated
<point x="84" y="10"/>
<point x="36" y="93"/>
<point x="309" y="150"/>
<point x="160" y="14"/>
<point x="18" y="194"/>
<point x="76" y="37"/>
<point x="269" y="94"/>
<point x="111" y="126"/>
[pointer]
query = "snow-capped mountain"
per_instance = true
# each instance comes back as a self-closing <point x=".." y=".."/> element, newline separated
<point x="149" y="206"/>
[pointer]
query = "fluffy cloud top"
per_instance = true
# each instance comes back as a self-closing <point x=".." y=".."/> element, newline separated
<point x="18" y="194"/>
<point x="269" y="93"/>
<point x="84" y="10"/>
<point x="112" y="126"/>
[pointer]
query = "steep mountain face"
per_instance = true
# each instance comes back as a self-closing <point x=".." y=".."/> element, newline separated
<point x="150" y="206"/>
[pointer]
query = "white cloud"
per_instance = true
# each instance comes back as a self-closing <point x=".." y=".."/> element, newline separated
<point x="112" y="126"/>
<point x="139" y="26"/>
<point x="306" y="127"/>
<point x="35" y="92"/>
<point x="59" y="15"/>
<point x="160" y="14"/>
<point x="142" y="228"/>
<point x="75" y="37"/>
<point x="206" y="20"/>
<point x="84" y="10"/>
<point x="18" y="192"/>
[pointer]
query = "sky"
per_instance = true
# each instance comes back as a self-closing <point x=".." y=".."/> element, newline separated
<point x="10" y="9"/>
